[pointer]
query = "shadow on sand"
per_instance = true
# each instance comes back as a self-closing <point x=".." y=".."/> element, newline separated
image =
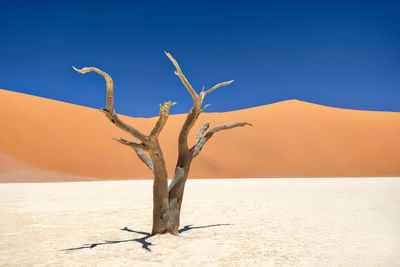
<point x="142" y="240"/>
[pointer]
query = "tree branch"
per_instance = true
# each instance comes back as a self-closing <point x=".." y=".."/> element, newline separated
<point x="202" y="130"/>
<point x="179" y="73"/>
<point x="109" y="82"/>
<point x="218" y="85"/>
<point x="226" y="127"/>
<point x="109" y="111"/>
<point x="143" y="157"/>
<point x="164" y="113"/>
<point x="139" y="151"/>
<point x="130" y="143"/>
<point x="202" y="140"/>
<point x="206" y="106"/>
<point x="122" y="125"/>
<point x="193" y="113"/>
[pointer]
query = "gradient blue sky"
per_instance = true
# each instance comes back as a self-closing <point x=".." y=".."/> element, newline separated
<point x="336" y="53"/>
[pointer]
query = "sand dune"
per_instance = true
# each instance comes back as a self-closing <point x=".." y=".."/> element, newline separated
<point x="14" y="171"/>
<point x="241" y="222"/>
<point x="289" y="139"/>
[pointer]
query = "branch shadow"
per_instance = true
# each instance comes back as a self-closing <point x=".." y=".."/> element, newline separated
<point x="142" y="240"/>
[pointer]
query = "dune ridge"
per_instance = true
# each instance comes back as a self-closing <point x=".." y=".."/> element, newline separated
<point x="289" y="139"/>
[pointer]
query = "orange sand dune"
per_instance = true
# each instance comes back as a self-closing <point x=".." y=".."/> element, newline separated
<point x="14" y="171"/>
<point x="289" y="139"/>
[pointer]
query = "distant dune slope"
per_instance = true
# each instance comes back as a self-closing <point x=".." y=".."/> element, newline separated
<point x="289" y="139"/>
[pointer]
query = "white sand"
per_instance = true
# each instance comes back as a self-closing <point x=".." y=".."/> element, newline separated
<point x="252" y="222"/>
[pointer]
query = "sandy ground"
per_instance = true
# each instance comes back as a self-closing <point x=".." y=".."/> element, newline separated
<point x="240" y="222"/>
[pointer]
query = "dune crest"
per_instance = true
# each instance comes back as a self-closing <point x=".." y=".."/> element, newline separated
<point x="289" y="139"/>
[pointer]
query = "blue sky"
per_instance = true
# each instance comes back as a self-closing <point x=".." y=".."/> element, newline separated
<point x="336" y="53"/>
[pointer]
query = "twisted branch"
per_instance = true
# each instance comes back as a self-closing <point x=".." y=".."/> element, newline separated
<point x="109" y="111"/>
<point x="109" y="82"/>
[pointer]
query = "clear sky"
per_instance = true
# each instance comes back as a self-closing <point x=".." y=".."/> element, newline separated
<point x="336" y="53"/>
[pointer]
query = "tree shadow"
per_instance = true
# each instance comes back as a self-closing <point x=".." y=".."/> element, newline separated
<point x="142" y="240"/>
<point x="145" y="244"/>
<point x="190" y="227"/>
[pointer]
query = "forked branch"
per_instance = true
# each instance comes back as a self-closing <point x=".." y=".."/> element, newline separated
<point x="195" y="112"/>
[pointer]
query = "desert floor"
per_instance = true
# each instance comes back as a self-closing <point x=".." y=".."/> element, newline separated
<point x="240" y="222"/>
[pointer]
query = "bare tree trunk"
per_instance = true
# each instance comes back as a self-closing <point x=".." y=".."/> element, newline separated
<point x="160" y="192"/>
<point x="167" y="201"/>
<point x="176" y="190"/>
<point x="186" y="155"/>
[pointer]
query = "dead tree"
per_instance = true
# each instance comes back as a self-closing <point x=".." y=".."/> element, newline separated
<point x="167" y="200"/>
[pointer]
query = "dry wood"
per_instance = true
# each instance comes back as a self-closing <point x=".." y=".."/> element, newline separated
<point x="179" y="73"/>
<point x="218" y="85"/>
<point x="143" y="157"/>
<point x="167" y="201"/>
<point x="201" y="140"/>
<point x="186" y="155"/>
<point x="202" y="130"/>
<point x="109" y="111"/>
<point x="164" y="112"/>
<point x="130" y="143"/>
